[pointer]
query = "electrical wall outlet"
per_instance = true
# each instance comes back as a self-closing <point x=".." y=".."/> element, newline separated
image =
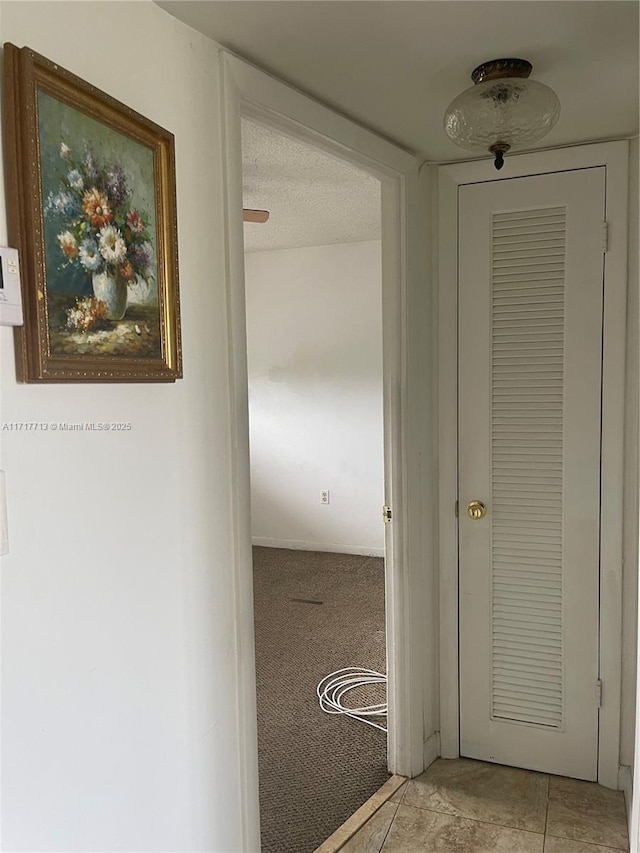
<point x="325" y="496"/>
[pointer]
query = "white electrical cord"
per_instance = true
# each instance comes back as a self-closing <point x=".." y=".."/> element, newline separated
<point x="334" y="686"/>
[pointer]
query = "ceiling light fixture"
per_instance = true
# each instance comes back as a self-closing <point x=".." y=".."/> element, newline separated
<point x="502" y="110"/>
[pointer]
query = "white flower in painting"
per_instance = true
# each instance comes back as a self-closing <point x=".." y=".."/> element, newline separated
<point x="112" y="246"/>
<point x="68" y="244"/>
<point x="75" y="179"/>
<point x="90" y="256"/>
<point x="65" y="151"/>
<point x="61" y="203"/>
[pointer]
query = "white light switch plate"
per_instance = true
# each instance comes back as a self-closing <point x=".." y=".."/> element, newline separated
<point x="10" y="295"/>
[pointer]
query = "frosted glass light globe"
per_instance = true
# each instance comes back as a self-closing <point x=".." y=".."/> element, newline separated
<point x="501" y="113"/>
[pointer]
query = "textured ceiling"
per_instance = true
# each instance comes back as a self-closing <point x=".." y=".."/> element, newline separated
<point x="395" y="65"/>
<point x="313" y="199"/>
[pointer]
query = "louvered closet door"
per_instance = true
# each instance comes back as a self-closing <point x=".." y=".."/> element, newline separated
<point x="530" y="330"/>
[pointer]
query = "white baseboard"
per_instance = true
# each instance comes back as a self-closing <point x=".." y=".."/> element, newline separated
<point x="431" y="749"/>
<point x="625" y="783"/>
<point x="296" y="545"/>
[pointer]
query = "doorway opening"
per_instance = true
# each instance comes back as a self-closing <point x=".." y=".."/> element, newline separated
<point x="412" y="742"/>
<point x="313" y="296"/>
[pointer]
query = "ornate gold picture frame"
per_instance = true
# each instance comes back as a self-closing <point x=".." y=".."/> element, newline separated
<point x="92" y="211"/>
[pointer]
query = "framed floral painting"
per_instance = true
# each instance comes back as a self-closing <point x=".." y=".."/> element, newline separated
<point x="92" y="211"/>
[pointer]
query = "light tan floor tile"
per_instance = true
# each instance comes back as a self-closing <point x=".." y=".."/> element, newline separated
<point x="420" y="831"/>
<point x="481" y="791"/>
<point x="565" y="845"/>
<point x="584" y="811"/>
<point x="359" y="818"/>
<point x="369" y="839"/>
<point x="399" y="794"/>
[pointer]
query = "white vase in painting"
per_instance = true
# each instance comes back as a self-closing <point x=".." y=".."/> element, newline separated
<point x="112" y="290"/>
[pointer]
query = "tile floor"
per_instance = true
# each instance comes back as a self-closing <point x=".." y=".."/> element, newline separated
<point x="467" y="806"/>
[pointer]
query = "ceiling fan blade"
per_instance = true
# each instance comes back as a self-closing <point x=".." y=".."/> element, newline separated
<point x="254" y="215"/>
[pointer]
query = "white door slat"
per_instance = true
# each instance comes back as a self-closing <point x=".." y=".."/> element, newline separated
<point x="516" y="618"/>
<point x="550" y="675"/>
<point x="516" y="662"/>
<point x="514" y="695"/>
<point x="526" y="535"/>
<point x="541" y="227"/>
<point x="530" y="277"/>
<point x="527" y="213"/>
<point x="535" y="688"/>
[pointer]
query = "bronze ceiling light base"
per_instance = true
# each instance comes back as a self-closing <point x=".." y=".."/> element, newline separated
<point x="494" y="69"/>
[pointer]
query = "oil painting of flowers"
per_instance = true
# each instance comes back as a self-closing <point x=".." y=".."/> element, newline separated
<point x="96" y="230"/>
<point x="99" y="233"/>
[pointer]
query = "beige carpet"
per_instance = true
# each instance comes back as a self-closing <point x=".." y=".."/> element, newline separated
<point x="315" y="613"/>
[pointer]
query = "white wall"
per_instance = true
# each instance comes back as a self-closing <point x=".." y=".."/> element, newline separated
<point x="314" y="335"/>
<point x="630" y="533"/>
<point x="119" y="718"/>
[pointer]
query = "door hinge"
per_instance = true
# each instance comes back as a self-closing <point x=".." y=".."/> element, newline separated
<point x="457" y="508"/>
<point x="605" y="236"/>
<point x="599" y="693"/>
<point x="387" y="514"/>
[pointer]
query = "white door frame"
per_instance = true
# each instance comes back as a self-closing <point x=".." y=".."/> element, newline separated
<point x="247" y="91"/>
<point x="614" y="156"/>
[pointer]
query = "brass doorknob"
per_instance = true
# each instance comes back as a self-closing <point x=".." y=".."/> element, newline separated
<point x="476" y="510"/>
